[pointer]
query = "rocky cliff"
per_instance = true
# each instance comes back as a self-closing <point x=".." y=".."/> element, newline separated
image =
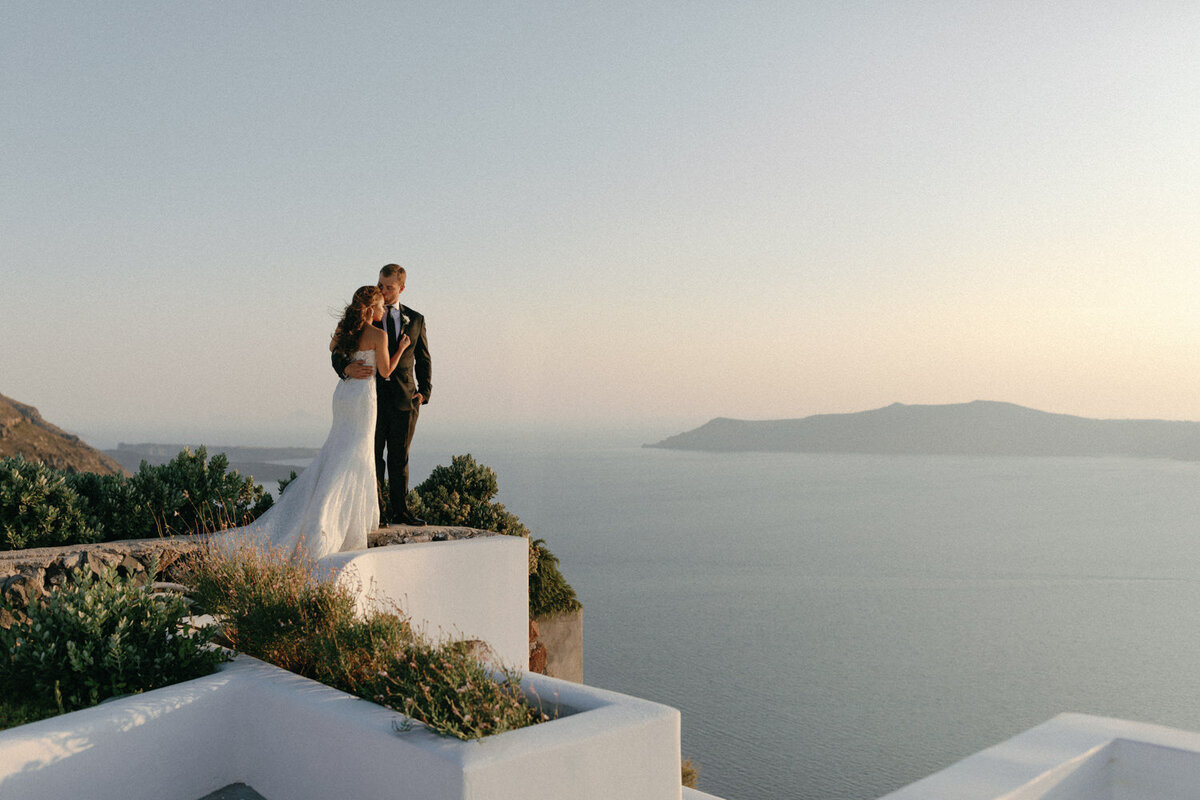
<point x="23" y="432"/>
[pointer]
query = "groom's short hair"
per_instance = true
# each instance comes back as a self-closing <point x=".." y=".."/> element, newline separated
<point x="391" y="271"/>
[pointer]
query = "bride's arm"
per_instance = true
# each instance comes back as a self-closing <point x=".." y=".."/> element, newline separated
<point x="384" y="364"/>
<point x="401" y="346"/>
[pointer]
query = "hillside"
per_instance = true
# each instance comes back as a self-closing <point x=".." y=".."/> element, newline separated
<point x="23" y="432"/>
<point x="978" y="428"/>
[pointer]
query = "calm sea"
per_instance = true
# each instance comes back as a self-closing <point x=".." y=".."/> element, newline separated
<point x="837" y="626"/>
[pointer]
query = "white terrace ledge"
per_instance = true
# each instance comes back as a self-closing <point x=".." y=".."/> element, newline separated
<point x="289" y="737"/>
<point x="476" y="588"/>
<point x="1073" y="757"/>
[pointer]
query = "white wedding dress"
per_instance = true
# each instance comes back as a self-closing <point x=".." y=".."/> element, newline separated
<point x="333" y="504"/>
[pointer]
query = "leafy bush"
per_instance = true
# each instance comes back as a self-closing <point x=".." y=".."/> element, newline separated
<point x="112" y="505"/>
<point x="451" y="692"/>
<point x="276" y="610"/>
<point x="461" y="494"/>
<point x="188" y="495"/>
<point x="98" y="637"/>
<point x="549" y="592"/>
<point x="284" y="482"/>
<point x="41" y="507"/>
<point x="38" y="508"/>
<point x="16" y="711"/>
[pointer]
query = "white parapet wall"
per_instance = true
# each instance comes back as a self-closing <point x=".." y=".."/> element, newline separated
<point x="1073" y="757"/>
<point x="696" y="794"/>
<point x="290" y="737"/>
<point x="469" y="589"/>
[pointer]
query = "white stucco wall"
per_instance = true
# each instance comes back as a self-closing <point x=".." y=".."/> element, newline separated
<point x="473" y="588"/>
<point x="290" y="737"/>
<point x="1073" y="757"/>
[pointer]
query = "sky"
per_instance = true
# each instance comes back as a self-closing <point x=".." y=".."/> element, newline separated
<point x="620" y="217"/>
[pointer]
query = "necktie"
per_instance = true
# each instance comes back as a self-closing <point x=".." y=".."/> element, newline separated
<point x="391" y="329"/>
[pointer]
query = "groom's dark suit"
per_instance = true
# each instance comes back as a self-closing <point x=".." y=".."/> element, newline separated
<point x="398" y="406"/>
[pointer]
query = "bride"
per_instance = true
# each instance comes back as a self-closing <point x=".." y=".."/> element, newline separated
<point x="333" y="504"/>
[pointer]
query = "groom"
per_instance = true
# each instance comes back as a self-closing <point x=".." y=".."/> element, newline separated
<point x="399" y="397"/>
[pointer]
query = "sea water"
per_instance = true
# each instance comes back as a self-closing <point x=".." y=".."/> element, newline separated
<point x="837" y="626"/>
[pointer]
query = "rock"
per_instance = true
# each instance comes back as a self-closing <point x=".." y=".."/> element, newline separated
<point x="93" y="561"/>
<point x="25" y="589"/>
<point x="222" y="637"/>
<point x="131" y="566"/>
<point x="166" y="558"/>
<point x="403" y="534"/>
<point x="166" y="586"/>
<point x="56" y="574"/>
<point x="534" y="633"/>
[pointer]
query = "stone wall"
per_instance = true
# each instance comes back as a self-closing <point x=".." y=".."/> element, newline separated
<point x="555" y="641"/>
<point x="404" y="534"/>
<point x="29" y="574"/>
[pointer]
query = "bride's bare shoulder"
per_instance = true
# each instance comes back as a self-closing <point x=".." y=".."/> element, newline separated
<point x="370" y="338"/>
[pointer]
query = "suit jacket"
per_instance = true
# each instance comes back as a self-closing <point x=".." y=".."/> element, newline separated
<point x="413" y="374"/>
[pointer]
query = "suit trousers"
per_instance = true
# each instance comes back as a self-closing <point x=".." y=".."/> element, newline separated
<point x="394" y="432"/>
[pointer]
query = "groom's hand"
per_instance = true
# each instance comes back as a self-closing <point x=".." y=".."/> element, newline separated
<point x="359" y="370"/>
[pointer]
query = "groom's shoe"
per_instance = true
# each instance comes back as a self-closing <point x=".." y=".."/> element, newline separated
<point x="408" y="519"/>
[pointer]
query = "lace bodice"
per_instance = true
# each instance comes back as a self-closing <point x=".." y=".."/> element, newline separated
<point x="366" y="356"/>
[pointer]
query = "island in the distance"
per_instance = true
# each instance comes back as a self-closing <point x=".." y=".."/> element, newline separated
<point x="978" y="428"/>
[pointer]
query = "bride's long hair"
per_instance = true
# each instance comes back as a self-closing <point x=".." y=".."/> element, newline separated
<point x="355" y="318"/>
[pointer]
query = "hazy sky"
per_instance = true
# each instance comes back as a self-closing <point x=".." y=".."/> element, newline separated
<point x="613" y="214"/>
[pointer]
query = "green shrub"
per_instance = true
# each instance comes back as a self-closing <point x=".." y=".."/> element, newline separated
<point x="451" y="692"/>
<point x="41" y="507"/>
<point x="285" y="482"/>
<point x="98" y="637"/>
<point x="112" y="506"/>
<point x="549" y="592"/>
<point x="38" y="508"/>
<point x="275" y="609"/>
<point x="16" y="711"/>
<point x="461" y="494"/>
<point x="189" y="495"/>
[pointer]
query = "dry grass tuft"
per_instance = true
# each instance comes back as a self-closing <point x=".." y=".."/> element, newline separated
<point x="275" y="609"/>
